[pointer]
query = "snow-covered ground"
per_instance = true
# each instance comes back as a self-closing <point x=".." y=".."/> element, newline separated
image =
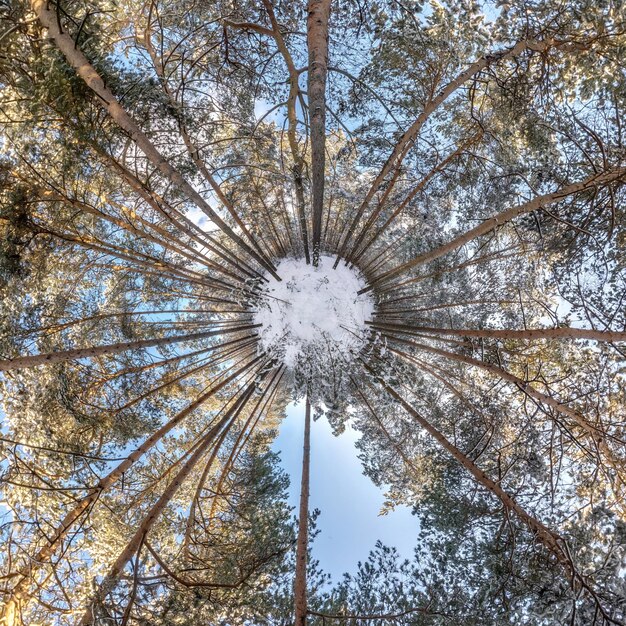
<point x="313" y="310"/>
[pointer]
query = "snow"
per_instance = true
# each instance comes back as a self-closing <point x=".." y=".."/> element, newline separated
<point x="313" y="311"/>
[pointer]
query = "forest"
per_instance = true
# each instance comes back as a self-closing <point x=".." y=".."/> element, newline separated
<point x="403" y="216"/>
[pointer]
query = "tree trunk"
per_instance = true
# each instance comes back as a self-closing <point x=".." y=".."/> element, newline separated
<point x="22" y="362"/>
<point x="547" y="537"/>
<point x="596" y="434"/>
<point x="146" y="525"/>
<point x="490" y="224"/>
<point x="20" y="593"/>
<point x="317" y="41"/>
<point x="292" y="131"/>
<point x="300" y="599"/>
<point x="407" y="140"/>
<point x="529" y="334"/>
<point x="109" y="102"/>
<point x="356" y="254"/>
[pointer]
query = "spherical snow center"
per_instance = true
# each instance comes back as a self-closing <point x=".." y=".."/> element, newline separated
<point x="314" y="311"/>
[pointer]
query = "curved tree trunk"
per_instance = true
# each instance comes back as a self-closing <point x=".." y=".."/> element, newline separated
<point x="20" y="594"/>
<point x="595" y="434"/>
<point x="356" y="254"/>
<point x="407" y="140"/>
<point x="93" y="80"/>
<point x="292" y="131"/>
<point x="549" y="538"/>
<point x="88" y="619"/>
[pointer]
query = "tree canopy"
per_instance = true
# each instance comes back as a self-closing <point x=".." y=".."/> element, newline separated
<point x="445" y="181"/>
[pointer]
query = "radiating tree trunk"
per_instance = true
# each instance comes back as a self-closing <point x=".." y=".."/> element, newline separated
<point x="74" y="56"/>
<point x="20" y="594"/>
<point x="240" y="445"/>
<point x="178" y="219"/>
<point x="140" y="260"/>
<point x="407" y="140"/>
<point x="356" y="254"/>
<point x="548" y="537"/>
<point x="153" y="514"/>
<point x="596" y="434"/>
<point x="317" y="41"/>
<point x="493" y="257"/>
<point x="192" y="149"/>
<point x="300" y="596"/>
<point x="292" y="131"/>
<point x="255" y="412"/>
<point x="529" y="334"/>
<point x="165" y="239"/>
<point x="114" y="348"/>
<point x="593" y="182"/>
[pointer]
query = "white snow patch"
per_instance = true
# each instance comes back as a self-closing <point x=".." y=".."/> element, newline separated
<point x="313" y="310"/>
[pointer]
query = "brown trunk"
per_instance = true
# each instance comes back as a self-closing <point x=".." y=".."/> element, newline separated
<point x="547" y="537"/>
<point x="165" y="241"/>
<point x="387" y="313"/>
<point x="407" y="140"/>
<point x="114" y="348"/>
<point x="240" y="445"/>
<point x="317" y="41"/>
<point x="178" y="219"/>
<point x="493" y="257"/>
<point x="299" y="589"/>
<point x="93" y="80"/>
<point x="140" y="260"/>
<point x="355" y="255"/>
<point x="191" y="518"/>
<point x="192" y="149"/>
<point x="146" y="525"/>
<point x="229" y="354"/>
<point x="530" y="334"/>
<point x="20" y="593"/>
<point x="596" y="434"/>
<point x="292" y="130"/>
<point x="490" y="224"/>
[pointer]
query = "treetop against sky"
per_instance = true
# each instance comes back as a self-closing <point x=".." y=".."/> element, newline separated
<point x="405" y="216"/>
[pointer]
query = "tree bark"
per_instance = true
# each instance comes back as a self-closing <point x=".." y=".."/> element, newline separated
<point x="109" y="102"/>
<point x="300" y="598"/>
<point x="178" y="219"/>
<point x="20" y="594"/>
<point x="192" y="148"/>
<point x="240" y="445"/>
<point x="146" y="525"/>
<point x="547" y="537"/>
<point x="596" y="434"/>
<point x="292" y="131"/>
<point x="490" y="224"/>
<point x="530" y="334"/>
<point x="408" y="138"/>
<point x="356" y="254"/>
<point x="317" y="41"/>
<point x="22" y="362"/>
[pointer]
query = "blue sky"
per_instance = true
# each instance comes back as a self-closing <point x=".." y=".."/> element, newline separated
<point x="349" y="502"/>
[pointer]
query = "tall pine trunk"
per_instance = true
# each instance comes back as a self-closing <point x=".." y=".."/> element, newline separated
<point x="317" y="41"/>
<point x="303" y="525"/>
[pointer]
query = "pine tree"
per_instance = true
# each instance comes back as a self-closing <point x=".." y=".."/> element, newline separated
<point x="462" y="163"/>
